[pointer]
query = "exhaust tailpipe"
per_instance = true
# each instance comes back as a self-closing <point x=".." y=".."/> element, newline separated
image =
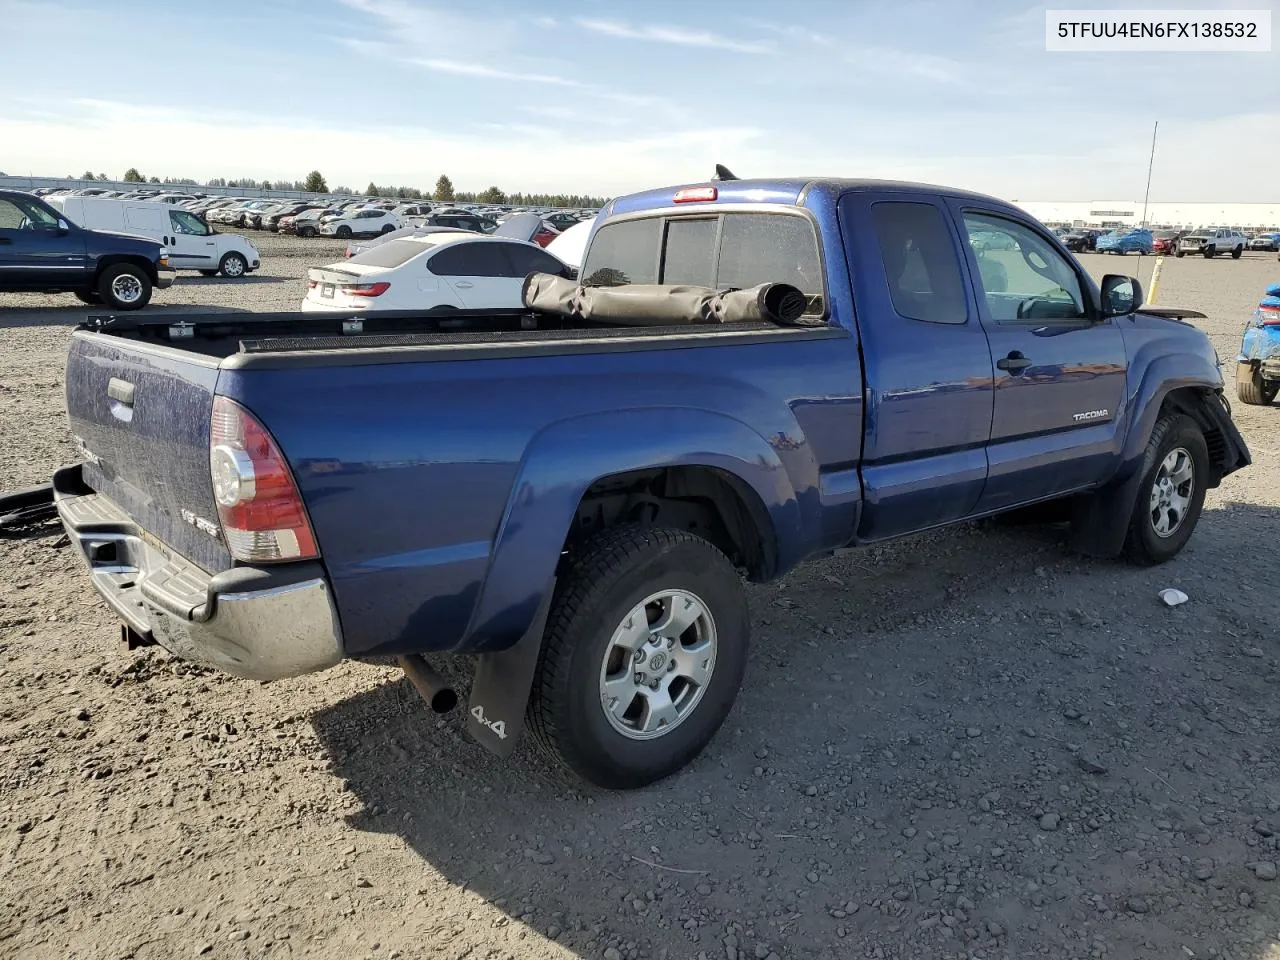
<point x="439" y="695"/>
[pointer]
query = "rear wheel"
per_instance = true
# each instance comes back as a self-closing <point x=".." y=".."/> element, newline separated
<point x="90" y="297"/>
<point x="1235" y="254"/>
<point x="1180" y="254"/>
<point x="233" y="265"/>
<point x="124" y="286"/>
<point x="1171" y="494"/>
<point x="306" y="231"/>
<point x="1251" y="388"/>
<point x="387" y="228"/>
<point x="642" y="658"/>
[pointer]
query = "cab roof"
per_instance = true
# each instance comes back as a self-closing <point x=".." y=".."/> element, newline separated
<point x="791" y="191"/>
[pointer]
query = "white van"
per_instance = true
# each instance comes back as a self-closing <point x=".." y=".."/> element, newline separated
<point x="192" y="243"/>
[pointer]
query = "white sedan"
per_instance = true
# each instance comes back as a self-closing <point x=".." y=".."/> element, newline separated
<point x="465" y="271"/>
<point x="366" y="223"/>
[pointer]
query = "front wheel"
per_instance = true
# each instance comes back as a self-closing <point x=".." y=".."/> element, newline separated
<point x="343" y="233"/>
<point x="643" y="655"/>
<point x="1210" y="253"/>
<point x="1175" y="469"/>
<point x="124" y="286"/>
<point x="233" y="265"/>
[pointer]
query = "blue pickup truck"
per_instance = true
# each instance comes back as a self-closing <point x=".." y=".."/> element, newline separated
<point x="572" y="503"/>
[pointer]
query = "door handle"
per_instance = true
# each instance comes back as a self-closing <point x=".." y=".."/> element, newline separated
<point x="463" y="284"/>
<point x="1015" y="362"/>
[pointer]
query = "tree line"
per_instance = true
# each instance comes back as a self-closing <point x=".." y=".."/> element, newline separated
<point x="315" y="182"/>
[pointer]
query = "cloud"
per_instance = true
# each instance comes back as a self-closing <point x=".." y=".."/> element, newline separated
<point x="204" y="144"/>
<point x="673" y="35"/>
<point x="466" y="68"/>
<point x="793" y="32"/>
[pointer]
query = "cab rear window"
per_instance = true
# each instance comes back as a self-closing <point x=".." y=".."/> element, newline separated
<point x="728" y="251"/>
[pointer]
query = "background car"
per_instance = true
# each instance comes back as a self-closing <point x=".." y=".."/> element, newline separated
<point x="461" y="218"/>
<point x="1210" y="243"/>
<point x="1124" y="240"/>
<point x="360" y="223"/>
<point x="1166" y="242"/>
<point x="356" y="247"/>
<point x="1265" y="241"/>
<point x="462" y="271"/>
<point x="1258" y="365"/>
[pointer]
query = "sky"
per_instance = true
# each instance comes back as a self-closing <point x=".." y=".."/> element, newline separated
<point x="587" y="96"/>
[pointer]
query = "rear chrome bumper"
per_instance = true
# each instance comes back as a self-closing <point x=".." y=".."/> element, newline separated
<point x="263" y="623"/>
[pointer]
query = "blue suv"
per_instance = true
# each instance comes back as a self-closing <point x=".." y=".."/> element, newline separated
<point x="1127" y="240"/>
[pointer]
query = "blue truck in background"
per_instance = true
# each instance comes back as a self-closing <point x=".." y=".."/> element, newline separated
<point x="573" y="504"/>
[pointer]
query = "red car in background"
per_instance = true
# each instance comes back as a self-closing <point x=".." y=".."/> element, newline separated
<point x="1166" y="242"/>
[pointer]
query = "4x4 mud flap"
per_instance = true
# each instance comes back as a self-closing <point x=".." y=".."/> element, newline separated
<point x="503" y="681"/>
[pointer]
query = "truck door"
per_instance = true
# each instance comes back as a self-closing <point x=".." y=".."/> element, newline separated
<point x="35" y="254"/>
<point x="926" y="361"/>
<point x="1059" y="368"/>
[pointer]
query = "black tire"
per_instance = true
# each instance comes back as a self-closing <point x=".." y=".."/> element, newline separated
<point x="1143" y="545"/>
<point x="91" y="297"/>
<point x="233" y="265"/>
<point x="343" y="233"/>
<point x="1236" y="253"/>
<point x="112" y="284"/>
<point x="306" y="231"/>
<point x="1210" y="253"/>
<point x="1251" y="388"/>
<point x="386" y="228"/>
<point x="208" y="273"/>
<point x="1180" y="254"/>
<point x="602" y="582"/>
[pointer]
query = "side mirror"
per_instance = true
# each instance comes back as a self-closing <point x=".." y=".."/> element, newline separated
<point x="1121" y="295"/>
<point x="63" y="227"/>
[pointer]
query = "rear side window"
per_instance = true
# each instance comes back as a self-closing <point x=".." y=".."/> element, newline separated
<point x="392" y="253"/>
<point x="921" y="266"/>
<point x="471" y="260"/>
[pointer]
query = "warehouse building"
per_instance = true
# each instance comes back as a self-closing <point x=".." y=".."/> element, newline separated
<point x="1161" y="215"/>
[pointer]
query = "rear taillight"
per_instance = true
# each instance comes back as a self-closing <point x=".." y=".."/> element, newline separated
<point x="311" y="284"/>
<point x="263" y="517"/>
<point x="366" y="289"/>
<point x="1269" y="316"/>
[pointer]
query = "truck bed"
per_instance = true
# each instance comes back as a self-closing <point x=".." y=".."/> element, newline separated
<point x="488" y="332"/>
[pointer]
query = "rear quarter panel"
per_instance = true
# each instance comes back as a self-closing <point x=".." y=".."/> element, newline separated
<point x="421" y="476"/>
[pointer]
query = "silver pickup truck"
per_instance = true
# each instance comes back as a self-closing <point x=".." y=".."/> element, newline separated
<point x="1210" y="243"/>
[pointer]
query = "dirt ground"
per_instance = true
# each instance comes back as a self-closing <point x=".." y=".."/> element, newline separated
<point x="968" y="744"/>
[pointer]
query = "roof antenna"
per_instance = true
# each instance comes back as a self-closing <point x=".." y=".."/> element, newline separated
<point x="723" y="173"/>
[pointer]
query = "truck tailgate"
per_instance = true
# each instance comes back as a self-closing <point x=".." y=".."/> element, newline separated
<point x="140" y="416"/>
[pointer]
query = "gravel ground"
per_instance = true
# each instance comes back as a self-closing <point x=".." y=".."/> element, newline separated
<point x="967" y="744"/>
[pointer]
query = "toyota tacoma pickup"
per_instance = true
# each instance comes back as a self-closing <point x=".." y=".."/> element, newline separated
<point x="571" y="499"/>
<point x="41" y="251"/>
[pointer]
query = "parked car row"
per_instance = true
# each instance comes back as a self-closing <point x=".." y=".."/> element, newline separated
<point x="1208" y="243"/>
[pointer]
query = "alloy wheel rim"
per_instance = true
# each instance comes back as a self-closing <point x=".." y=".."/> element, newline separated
<point x="658" y="664"/>
<point x="126" y="288"/>
<point x="1171" y="492"/>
